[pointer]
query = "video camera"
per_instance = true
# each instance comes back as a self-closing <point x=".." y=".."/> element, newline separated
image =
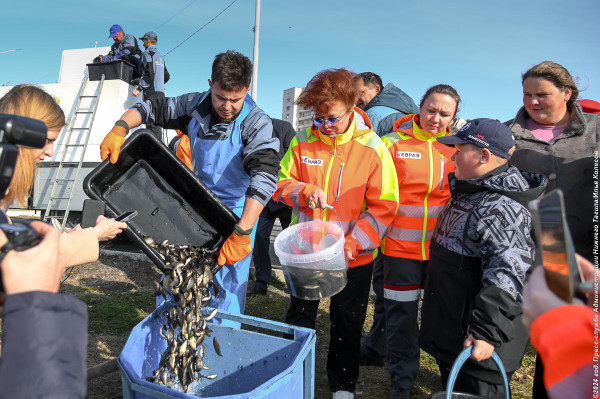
<point x="17" y="130"/>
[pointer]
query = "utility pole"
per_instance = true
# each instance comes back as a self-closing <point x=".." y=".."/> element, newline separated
<point x="255" y="54"/>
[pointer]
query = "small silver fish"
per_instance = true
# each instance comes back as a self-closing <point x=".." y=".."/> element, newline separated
<point x="183" y="348"/>
<point x="217" y="346"/>
<point x="163" y="376"/>
<point x="211" y="315"/>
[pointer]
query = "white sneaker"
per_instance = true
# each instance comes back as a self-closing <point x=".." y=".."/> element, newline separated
<point x="343" y="395"/>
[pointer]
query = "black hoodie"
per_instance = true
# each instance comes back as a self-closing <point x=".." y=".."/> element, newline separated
<point x="480" y="252"/>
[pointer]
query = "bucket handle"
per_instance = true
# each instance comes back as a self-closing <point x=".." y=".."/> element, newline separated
<point x="327" y="206"/>
<point x="460" y="361"/>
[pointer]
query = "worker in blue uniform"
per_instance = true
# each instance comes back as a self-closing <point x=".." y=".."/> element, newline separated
<point x="154" y="75"/>
<point x="125" y="47"/>
<point x="233" y="151"/>
<point x="153" y="79"/>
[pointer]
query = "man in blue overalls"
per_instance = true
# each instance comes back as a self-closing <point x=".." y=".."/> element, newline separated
<point x="233" y="151"/>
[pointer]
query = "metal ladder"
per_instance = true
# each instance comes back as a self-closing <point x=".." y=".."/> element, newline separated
<point x="79" y="111"/>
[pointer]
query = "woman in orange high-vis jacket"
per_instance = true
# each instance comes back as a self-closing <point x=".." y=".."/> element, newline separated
<point x="340" y="161"/>
<point x="422" y="165"/>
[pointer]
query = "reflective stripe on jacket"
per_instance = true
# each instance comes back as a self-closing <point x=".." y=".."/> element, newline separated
<point x="422" y="165"/>
<point x="357" y="175"/>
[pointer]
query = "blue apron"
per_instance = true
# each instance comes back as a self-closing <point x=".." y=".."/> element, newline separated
<point x="219" y="164"/>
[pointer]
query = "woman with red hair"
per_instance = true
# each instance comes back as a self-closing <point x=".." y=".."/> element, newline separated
<point x="340" y="161"/>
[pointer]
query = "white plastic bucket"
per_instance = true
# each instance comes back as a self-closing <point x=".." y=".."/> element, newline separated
<point x="312" y="259"/>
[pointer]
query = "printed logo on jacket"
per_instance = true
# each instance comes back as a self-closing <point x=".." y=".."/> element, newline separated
<point x="408" y="155"/>
<point x="310" y="161"/>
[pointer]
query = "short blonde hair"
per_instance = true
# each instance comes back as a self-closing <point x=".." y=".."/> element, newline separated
<point x="500" y="160"/>
<point x="33" y="102"/>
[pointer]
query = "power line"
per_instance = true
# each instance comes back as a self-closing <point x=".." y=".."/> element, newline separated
<point x="176" y="14"/>
<point x="10" y="51"/>
<point x="202" y="27"/>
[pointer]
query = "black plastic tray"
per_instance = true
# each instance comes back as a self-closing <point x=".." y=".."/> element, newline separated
<point x="172" y="203"/>
<point x="112" y="70"/>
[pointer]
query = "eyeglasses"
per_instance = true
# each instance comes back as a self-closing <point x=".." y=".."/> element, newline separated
<point x="331" y="121"/>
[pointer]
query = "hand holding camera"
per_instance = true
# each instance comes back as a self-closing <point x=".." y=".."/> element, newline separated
<point x="33" y="263"/>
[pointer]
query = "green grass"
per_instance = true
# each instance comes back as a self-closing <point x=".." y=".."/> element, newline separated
<point x="114" y="313"/>
<point x="522" y="381"/>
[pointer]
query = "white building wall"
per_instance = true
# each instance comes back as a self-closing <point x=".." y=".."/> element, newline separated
<point x="298" y="116"/>
<point x="73" y="63"/>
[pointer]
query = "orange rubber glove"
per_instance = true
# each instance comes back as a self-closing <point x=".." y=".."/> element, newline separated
<point x="112" y="143"/>
<point x="235" y="249"/>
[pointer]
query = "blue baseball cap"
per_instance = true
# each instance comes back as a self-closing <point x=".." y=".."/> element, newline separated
<point x="149" y="35"/>
<point x="484" y="133"/>
<point x="114" y="30"/>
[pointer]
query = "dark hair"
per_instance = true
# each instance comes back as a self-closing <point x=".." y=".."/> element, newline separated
<point x="557" y="74"/>
<point x="442" y="89"/>
<point x="328" y="86"/>
<point x="232" y="70"/>
<point x="370" y="79"/>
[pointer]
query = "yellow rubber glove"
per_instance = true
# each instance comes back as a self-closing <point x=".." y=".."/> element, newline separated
<point x="235" y="249"/>
<point x="112" y="143"/>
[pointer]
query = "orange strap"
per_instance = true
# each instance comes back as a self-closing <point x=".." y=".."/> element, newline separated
<point x="184" y="152"/>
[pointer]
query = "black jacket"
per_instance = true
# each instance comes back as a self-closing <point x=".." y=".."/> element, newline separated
<point x="285" y="132"/>
<point x="44" y="342"/>
<point x="480" y="252"/>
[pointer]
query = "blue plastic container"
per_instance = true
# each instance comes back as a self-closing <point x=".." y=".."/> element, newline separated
<point x="253" y="365"/>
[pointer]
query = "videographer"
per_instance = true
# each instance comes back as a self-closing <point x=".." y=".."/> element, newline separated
<point x="563" y="335"/>
<point x="81" y="245"/>
<point x="44" y="334"/>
